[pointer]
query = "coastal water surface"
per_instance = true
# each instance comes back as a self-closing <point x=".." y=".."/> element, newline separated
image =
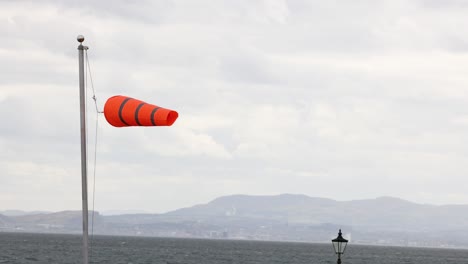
<point x="63" y="249"/>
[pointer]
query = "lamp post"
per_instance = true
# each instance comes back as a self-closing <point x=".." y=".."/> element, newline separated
<point x="339" y="244"/>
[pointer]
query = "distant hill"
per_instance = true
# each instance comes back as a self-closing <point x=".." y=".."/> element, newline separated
<point x="385" y="213"/>
<point x="280" y="207"/>
<point x="19" y="212"/>
<point x="384" y="220"/>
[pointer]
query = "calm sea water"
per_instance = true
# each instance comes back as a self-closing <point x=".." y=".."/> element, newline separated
<point x="46" y="248"/>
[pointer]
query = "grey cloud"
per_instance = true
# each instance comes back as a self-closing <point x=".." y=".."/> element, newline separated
<point x="25" y="67"/>
<point x="243" y="67"/>
<point x="444" y="4"/>
<point x="145" y="10"/>
<point x="289" y="97"/>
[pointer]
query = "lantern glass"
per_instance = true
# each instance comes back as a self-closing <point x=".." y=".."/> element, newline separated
<point x="339" y="244"/>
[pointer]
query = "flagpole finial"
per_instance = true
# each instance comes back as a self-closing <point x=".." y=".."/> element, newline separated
<point x="80" y="38"/>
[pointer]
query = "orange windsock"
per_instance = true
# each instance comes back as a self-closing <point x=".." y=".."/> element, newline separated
<point x="121" y="111"/>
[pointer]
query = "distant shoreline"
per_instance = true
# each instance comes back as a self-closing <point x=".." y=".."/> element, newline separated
<point x="233" y="239"/>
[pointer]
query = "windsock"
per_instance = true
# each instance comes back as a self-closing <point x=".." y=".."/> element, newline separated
<point x="122" y="111"/>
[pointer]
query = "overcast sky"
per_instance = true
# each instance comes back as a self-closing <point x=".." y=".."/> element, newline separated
<point x="338" y="99"/>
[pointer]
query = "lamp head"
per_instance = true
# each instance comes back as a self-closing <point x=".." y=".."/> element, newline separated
<point x="339" y="243"/>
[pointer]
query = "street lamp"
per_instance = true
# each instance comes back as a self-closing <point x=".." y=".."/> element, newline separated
<point x="339" y="244"/>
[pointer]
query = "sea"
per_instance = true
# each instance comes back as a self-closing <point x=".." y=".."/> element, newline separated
<point x="63" y="249"/>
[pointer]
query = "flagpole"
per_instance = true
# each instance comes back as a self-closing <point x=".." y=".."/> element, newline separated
<point x="84" y="178"/>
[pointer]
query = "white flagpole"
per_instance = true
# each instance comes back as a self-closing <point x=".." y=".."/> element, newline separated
<point x="84" y="178"/>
